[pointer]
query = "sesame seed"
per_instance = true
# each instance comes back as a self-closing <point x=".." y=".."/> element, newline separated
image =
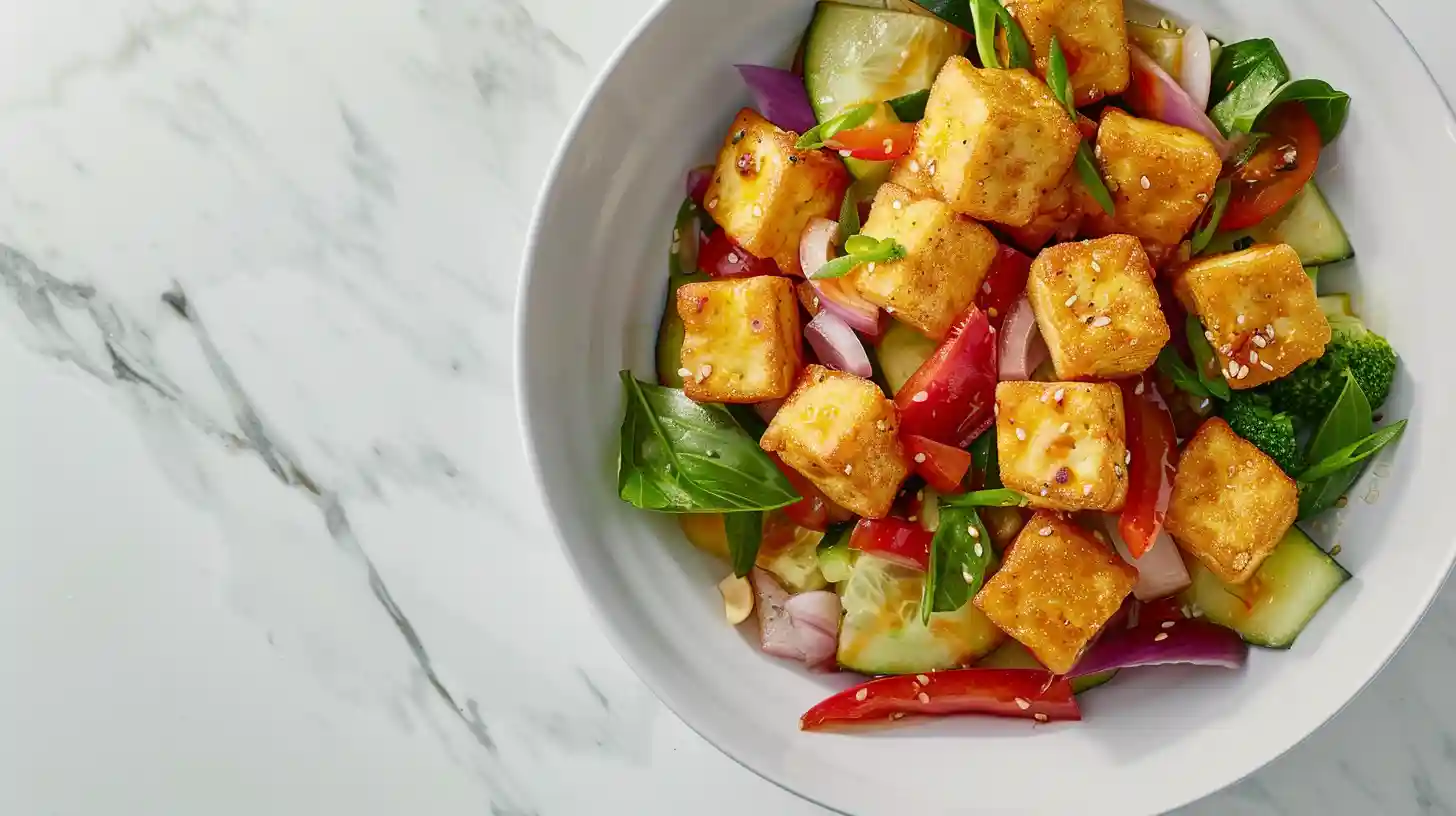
<point x="880" y="425"/>
<point x="870" y="267"/>
<point x="684" y="373"/>
<point x="1043" y="491"/>
<point x="1022" y="704"/>
<point x="986" y="287"/>
<point x="1045" y="531"/>
<point x="1147" y="185"/>
<point x="889" y="310"/>
<point x="980" y="551"/>
<point x="1117" y="470"/>
<point x="896" y="204"/>
<point x="1097" y="151"/>
<point x="920" y="396"/>
<point x="1260" y="341"/>
<point x="1202" y="197"/>
<point x="676" y="235"/>
<point x="1069" y="301"/>
<point x="825" y="100"/>
<point x="1060" y="394"/>
<point x="848" y="469"/>
<point x="844" y="154"/>
<point x="1021" y="434"/>
<point x="930" y="167"/>
<point x="1239" y="320"/>
<point x="914" y="518"/>
<point x="862" y="694"/>
<point x="1039" y="717"/>
<point x="1269" y="330"/>
<point x="995" y="409"/>
<point x="1243" y="372"/>
<point x="1046" y="396"/>
<point x="704" y="372"/>
<point x="1087" y="489"/>
<point x="914" y="166"/>
<point x="1161" y="636"/>
<point x="757" y="211"/>
<point x="923" y="697"/>
<point x="1228" y="373"/>
<point x="898" y="715"/>
<point x="1168" y="624"/>
<point x="1138" y="389"/>
<point x="733" y="257"/>
<point x="972" y="531"/>
<point x="1253" y="356"/>
<point x="889" y="145"/>
<point x="924" y="681"/>
<point x="1265" y="366"/>
<point x="1100" y="320"/>
<point x="1066" y="426"/>
<point x="1208" y="335"/>
<point x="1127" y="458"/>
<point x="969" y="578"/>
<point x="919" y="458"/>
<point x="1096" y="267"/>
<point x="712" y="203"/>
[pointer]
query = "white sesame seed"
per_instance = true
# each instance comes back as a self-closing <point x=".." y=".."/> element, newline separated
<point x="1208" y="335"/>
<point x="889" y="145"/>
<point x="862" y="694"/>
<point x="712" y="203"/>
<point x="1117" y="470"/>
<point x="986" y="287"/>
<point x="1066" y="426"/>
<point x="1202" y="197"/>
<point x="704" y="372"/>
<point x="845" y="154"/>
<point x="1100" y="320"/>
<point x="1230" y="372"/>
<point x="1096" y="267"/>
<point x="919" y="458"/>
<point x="904" y="55"/>
<point x="1021" y="434"/>
<point x="1022" y="704"/>
<point x="1069" y="301"/>
<point x="930" y="167"/>
<point x="968" y="577"/>
<point x="1161" y="636"/>
<point x="1060" y="394"/>
<point x="684" y="373"/>
<point x="1045" y="531"/>
<point x="1147" y="185"/>
<point x="1138" y="389"/>
<point x="1239" y="320"/>
<point x="898" y="715"/>
<point x="870" y="267"/>
<point x="895" y="205"/>
<point x="924" y="681"/>
<point x="1039" y="717"/>
<point x="1097" y="151"/>
<point x="1269" y="330"/>
<point x="757" y="211"/>
<point x="1265" y="366"/>
<point x="1046" y="396"/>
<point x="1260" y="341"/>
<point x="923" y="697"/>
<point x="914" y="166"/>
<point x="880" y="425"/>
<point x="972" y="531"/>
<point x="995" y="409"/>
<point x="1044" y="491"/>
<point x="889" y="310"/>
<point x="1127" y="457"/>
<point x="1243" y="372"/>
<point x="1168" y="624"/>
<point x="914" y="518"/>
<point x="733" y="257"/>
<point x="980" y="551"/>
<point x="1087" y="489"/>
<point x="1253" y="356"/>
<point x="920" y="396"/>
<point x="848" y="469"/>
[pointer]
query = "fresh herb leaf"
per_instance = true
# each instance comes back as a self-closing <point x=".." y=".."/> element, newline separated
<point x="1250" y="147"/>
<point x="680" y="456"/>
<point x="983" y="26"/>
<point x="1204" y="362"/>
<point x="1059" y="78"/>
<point x="1349" y="421"/>
<point x="1017" y="46"/>
<point x="1251" y="79"/>
<point x="815" y="137"/>
<point x="747" y="419"/>
<point x="960" y="554"/>
<point x="862" y="249"/>
<point x="956" y="12"/>
<point x="849" y="225"/>
<point x="745" y="533"/>
<point x="835" y="534"/>
<point x="985" y="460"/>
<point x="1243" y="243"/>
<point x="996" y="497"/>
<point x="1060" y="82"/>
<point x="1208" y="227"/>
<point x="1236" y="61"/>
<point x="1329" y="108"/>
<point x="1351" y="455"/>
<point x="1092" y="178"/>
<point x="682" y="258"/>
<point x="1172" y="366"/>
<point x="911" y="106"/>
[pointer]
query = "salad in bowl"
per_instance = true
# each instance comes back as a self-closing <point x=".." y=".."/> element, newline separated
<point x="995" y="359"/>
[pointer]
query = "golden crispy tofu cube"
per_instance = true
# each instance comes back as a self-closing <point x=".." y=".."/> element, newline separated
<point x="1160" y="177"/>
<point x="841" y="432"/>
<point x="1231" y="504"/>
<point x="764" y="191"/>
<point x="1097" y="308"/>
<point x="1092" y="34"/>
<point x="993" y="142"/>
<point x="1259" y="310"/>
<point x="741" y="340"/>
<point x="909" y="173"/>
<point x="947" y="257"/>
<point x="1063" y="444"/>
<point x="1057" y="589"/>
<point x="1058" y="216"/>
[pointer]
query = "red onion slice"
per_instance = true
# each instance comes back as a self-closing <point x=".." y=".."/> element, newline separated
<point x="780" y="96"/>
<point x="1161" y="571"/>
<point x="816" y="247"/>
<point x="1160" y="97"/>
<point x="1196" y="72"/>
<point x="816" y="244"/>
<point x="1022" y="346"/>
<point x="836" y="344"/>
<point x="815" y="617"/>
<point x="1195" y="642"/>
<point x="697" y="183"/>
<point x="776" y="630"/>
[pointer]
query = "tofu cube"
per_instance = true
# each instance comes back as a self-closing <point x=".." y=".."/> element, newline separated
<point x="1092" y="34"/>
<point x="1231" y="504"/>
<point x="1063" y="444"/>
<point x="1260" y="308"/>
<point x="993" y="142"/>
<point x="1160" y="177"/>
<point x="1056" y="590"/>
<point x="1097" y="308"/>
<point x="741" y="340"/>
<point x="947" y="257"/>
<point x="764" y="190"/>
<point x="909" y="173"/>
<point x="1058" y="216"/>
<point x="841" y="432"/>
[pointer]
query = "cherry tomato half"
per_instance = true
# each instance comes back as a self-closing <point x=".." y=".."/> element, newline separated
<point x="1154" y="448"/>
<point x="941" y="466"/>
<point x="1284" y="162"/>
<point x="894" y="539"/>
<point x="720" y="257"/>
<point x="1004" y="285"/>
<point x="951" y="396"/>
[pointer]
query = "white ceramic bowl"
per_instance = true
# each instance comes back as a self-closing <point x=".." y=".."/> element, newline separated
<point x="1153" y="739"/>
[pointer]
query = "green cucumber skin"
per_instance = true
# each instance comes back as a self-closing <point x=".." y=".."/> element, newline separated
<point x="1307" y="224"/>
<point x="670" y="332"/>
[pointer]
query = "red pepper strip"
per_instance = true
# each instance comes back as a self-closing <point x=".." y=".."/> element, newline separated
<point x="883" y="142"/>
<point x="893" y="539"/>
<point x="949" y="399"/>
<point x="1032" y="694"/>
<point x="1154" y="447"/>
<point x="941" y="466"/>
<point x="1005" y="283"/>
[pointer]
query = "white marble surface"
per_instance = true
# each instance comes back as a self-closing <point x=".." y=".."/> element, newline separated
<point x="267" y="543"/>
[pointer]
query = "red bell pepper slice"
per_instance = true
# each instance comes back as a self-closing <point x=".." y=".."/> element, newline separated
<point x="1154" y="447"/>
<point x="941" y="466"/>
<point x="815" y="511"/>
<point x="950" y="398"/>
<point x="1032" y="694"/>
<point x="720" y="257"/>
<point x="883" y="142"/>
<point x="1005" y="283"/>
<point x="893" y="539"/>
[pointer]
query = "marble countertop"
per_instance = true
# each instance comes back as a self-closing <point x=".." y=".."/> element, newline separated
<point x="269" y="547"/>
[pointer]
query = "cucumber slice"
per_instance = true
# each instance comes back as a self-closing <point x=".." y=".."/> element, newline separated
<point x="1012" y="655"/>
<point x="882" y="632"/>
<point x="901" y="352"/>
<point x="1279" y="601"/>
<point x="1307" y="224"/>
<point x="670" y="332"/>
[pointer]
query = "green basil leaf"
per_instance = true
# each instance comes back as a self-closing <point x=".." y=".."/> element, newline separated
<point x="747" y="419"/>
<point x="1205" y="364"/>
<point x="682" y="258"/>
<point x="960" y="554"/>
<point x="1059" y="78"/>
<point x="911" y="106"/>
<point x="1238" y="110"/>
<point x="744" y="532"/>
<point x="1173" y="367"/>
<point x="862" y="249"/>
<point x="680" y="456"/>
<point x="984" y="458"/>
<point x="1353" y="454"/>
<point x="1017" y="46"/>
<point x="1208" y="227"/>
<point x="1251" y="79"/>
<point x="1092" y="178"/>
<point x="815" y="137"/>
<point x="849" y="225"/>
<point x="958" y="13"/>
<point x="996" y="497"/>
<point x="1348" y="422"/>
<point x="984" y="14"/>
<point x="1329" y="108"/>
<point x="1236" y="61"/>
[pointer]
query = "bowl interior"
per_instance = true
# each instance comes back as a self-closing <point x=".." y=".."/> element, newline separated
<point x="1155" y="738"/>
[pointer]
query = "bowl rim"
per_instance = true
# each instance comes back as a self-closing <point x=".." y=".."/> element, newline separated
<point x="527" y="427"/>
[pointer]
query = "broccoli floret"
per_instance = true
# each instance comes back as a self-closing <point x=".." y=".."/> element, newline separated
<point x="1310" y="391"/>
<point x="1252" y="416"/>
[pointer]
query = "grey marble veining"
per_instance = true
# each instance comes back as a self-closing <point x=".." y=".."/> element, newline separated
<point x="268" y="548"/>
